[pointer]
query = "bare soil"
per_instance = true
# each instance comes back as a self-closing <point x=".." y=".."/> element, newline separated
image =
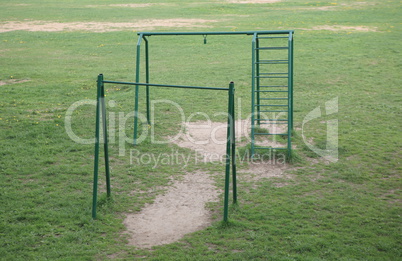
<point x="151" y="24"/>
<point x="181" y="210"/>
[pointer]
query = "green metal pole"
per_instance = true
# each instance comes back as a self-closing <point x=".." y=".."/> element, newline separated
<point x="227" y="170"/>
<point x="137" y="79"/>
<point x="233" y="141"/>
<point x="290" y="91"/>
<point x="291" y="78"/>
<point x="253" y="45"/>
<point x="96" y="156"/>
<point x="147" y="79"/>
<point x="105" y="140"/>
<point x="257" y="70"/>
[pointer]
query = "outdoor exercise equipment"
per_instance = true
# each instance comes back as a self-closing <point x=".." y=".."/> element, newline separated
<point x="101" y="115"/>
<point x="271" y="92"/>
<point x="271" y="81"/>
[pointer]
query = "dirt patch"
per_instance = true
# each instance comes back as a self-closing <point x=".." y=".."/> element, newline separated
<point x="178" y="212"/>
<point x="13" y="81"/>
<point x="341" y="28"/>
<point x="49" y="26"/>
<point x="208" y="138"/>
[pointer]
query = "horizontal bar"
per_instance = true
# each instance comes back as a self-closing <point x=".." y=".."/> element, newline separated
<point x="216" y="33"/>
<point x="273" y="111"/>
<point x="272" y="48"/>
<point x="270" y="91"/>
<point x="271" y="123"/>
<point x="269" y="148"/>
<point x="273" y="73"/>
<point x="273" y="98"/>
<point x="272" y="62"/>
<point x="270" y="37"/>
<point x="256" y="133"/>
<point x="169" y="86"/>
<point x="274" y="105"/>
<point x="271" y="120"/>
<point x="272" y="86"/>
<point x="272" y="77"/>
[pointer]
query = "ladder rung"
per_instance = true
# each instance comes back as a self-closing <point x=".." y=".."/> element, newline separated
<point x="273" y="98"/>
<point x="272" y="48"/>
<point x="271" y="123"/>
<point x="273" y="111"/>
<point x="271" y="77"/>
<point x="273" y="86"/>
<point x="269" y="148"/>
<point x="270" y="133"/>
<point x="270" y="120"/>
<point x="273" y="105"/>
<point x="281" y="73"/>
<point x="270" y="37"/>
<point x="271" y="91"/>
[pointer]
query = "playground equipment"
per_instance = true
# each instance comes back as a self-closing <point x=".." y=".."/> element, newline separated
<point x="271" y="92"/>
<point x="101" y="114"/>
<point x="271" y="81"/>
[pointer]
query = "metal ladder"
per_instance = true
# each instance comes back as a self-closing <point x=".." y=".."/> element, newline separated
<point x="272" y="92"/>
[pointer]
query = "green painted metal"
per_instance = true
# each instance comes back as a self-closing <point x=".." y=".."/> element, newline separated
<point x="216" y="33"/>
<point x="233" y="140"/>
<point x="230" y="154"/>
<point x="97" y="137"/>
<point x="100" y="112"/>
<point x="253" y="92"/>
<point x="137" y="79"/>
<point x="147" y="79"/>
<point x="269" y="92"/>
<point x="231" y="143"/>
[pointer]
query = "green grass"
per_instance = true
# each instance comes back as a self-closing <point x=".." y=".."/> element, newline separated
<point x="348" y="210"/>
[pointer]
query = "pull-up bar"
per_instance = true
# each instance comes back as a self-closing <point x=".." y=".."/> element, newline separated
<point x="101" y="113"/>
<point x="216" y="33"/>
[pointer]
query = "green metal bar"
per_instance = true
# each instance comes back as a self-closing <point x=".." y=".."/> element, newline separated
<point x="167" y="85"/>
<point x="96" y="156"/>
<point x="147" y="79"/>
<point x="228" y="151"/>
<point x="291" y="79"/>
<point x="137" y="79"/>
<point x="253" y="56"/>
<point x="233" y="141"/>
<point x="257" y="70"/>
<point x="105" y="140"/>
<point x="290" y="109"/>
<point x="216" y="33"/>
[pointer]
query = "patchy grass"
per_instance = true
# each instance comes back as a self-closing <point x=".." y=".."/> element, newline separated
<point x="348" y="210"/>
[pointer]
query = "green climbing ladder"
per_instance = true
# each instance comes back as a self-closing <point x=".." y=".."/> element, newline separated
<point x="272" y="92"/>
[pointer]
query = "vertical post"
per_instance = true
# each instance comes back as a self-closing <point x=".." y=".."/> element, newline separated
<point x="137" y="79"/>
<point x="257" y="70"/>
<point x="290" y="96"/>
<point x="291" y="76"/>
<point x="253" y="92"/>
<point x="105" y="140"/>
<point x="233" y="141"/>
<point x="228" y="145"/>
<point x="147" y="79"/>
<point x="97" y="137"/>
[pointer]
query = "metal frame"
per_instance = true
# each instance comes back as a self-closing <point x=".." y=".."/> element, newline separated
<point x="101" y="113"/>
<point x="255" y="81"/>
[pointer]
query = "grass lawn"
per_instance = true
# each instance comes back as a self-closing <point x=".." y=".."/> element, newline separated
<point x="50" y="54"/>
